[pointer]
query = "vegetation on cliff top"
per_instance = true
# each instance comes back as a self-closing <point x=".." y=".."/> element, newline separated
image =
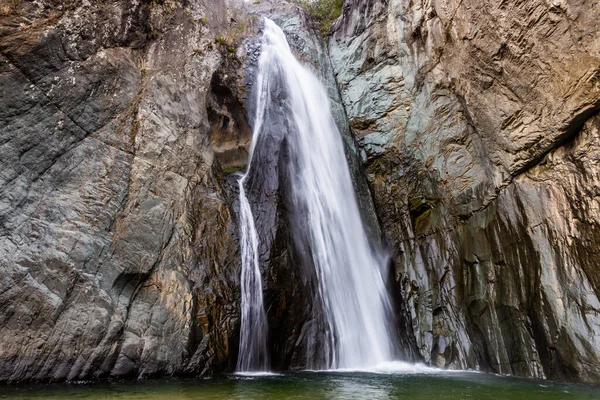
<point x="324" y="12"/>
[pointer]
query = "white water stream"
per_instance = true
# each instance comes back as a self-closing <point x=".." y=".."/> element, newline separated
<point x="351" y="284"/>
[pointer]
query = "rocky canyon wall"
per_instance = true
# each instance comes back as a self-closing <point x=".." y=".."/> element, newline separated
<point x="118" y="250"/>
<point x="124" y="122"/>
<point x="478" y="128"/>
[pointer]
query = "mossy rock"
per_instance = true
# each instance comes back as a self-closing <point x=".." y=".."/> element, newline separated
<point x="232" y="169"/>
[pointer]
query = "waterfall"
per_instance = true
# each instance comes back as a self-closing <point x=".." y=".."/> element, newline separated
<point x="350" y="284"/>
<point x="253" y="334"/>
<point x="253" y="354"/>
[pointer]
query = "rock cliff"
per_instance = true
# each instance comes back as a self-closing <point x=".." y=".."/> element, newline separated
<point x="478" y="127"/>
<point x="117" y="246"/>
<point x="123" y="123"/>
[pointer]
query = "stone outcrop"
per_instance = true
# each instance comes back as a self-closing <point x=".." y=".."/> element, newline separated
<point x="478" y="133"/>
<point x="118" y="251"/>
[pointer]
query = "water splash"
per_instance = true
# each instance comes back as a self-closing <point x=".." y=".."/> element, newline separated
<point x="350" y="284"/>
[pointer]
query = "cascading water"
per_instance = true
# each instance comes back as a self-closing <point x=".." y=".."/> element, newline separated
<point x="350" y="280"/>
<point x="253" y="354"/>
<point x="253" y="334"/>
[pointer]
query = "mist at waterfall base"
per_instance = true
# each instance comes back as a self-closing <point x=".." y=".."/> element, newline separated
<point x="350" y="285"/>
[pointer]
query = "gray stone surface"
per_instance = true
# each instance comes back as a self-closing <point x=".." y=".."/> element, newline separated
<point x="117" y="247"/>
<point x="476" y="127"/>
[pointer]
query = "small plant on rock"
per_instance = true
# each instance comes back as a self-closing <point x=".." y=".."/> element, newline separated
<point x="143" y="67"/>
<point x="324" y="12"/>
<point x="222" y="40"/>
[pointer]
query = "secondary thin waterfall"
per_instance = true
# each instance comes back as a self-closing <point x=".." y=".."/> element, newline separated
<point x="253" y="354"/>
<point x="351" y="287"/>
<point x="253" y="334"/>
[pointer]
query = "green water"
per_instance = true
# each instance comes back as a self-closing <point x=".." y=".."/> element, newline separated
<point x="313" y="385"/>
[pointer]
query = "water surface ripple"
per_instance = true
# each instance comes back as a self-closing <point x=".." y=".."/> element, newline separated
<point x="414" y="384"/>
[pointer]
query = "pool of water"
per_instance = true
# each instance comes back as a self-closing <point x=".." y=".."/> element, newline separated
<point x="387" y="383"/>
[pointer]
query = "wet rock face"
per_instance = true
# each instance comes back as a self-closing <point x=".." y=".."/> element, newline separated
<point x="267" y="187"/>
<point x="118" y="252"/>
<point x="477" y="131"/>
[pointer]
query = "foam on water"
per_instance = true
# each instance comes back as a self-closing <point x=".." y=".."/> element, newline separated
<point x="256" y="374"/>
<point x="397" y="368"/>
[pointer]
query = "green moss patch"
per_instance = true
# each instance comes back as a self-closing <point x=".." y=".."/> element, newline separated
<point x="324" y="12"/>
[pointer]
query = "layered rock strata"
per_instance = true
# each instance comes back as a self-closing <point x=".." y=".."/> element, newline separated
<point x="118" y="248"/>
<point x="477" y="127"/>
